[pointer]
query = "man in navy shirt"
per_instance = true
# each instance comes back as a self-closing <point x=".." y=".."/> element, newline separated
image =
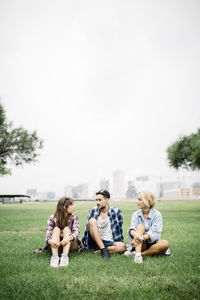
<point x="104" y="227"/>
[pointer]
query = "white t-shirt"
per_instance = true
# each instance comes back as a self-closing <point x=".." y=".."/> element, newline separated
<point x="105" y="229"/>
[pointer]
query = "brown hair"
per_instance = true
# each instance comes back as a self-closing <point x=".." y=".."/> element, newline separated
<point x="60" y="213"/>
<point x="104" y="193"/>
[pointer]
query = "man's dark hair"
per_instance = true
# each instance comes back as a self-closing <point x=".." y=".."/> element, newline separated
<point x="104" y="193"/>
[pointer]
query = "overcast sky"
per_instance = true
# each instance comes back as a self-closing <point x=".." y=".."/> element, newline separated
<point x="107" y="84"/>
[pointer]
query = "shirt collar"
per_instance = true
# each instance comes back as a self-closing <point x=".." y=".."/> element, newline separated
<point x="150" y="213"/>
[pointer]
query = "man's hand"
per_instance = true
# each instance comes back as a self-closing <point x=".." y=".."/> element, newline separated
<point x="54" y="244"/>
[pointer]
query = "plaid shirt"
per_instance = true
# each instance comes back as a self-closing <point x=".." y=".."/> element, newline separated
<point x="116" y="221"/>
<point x="73" y="224"/>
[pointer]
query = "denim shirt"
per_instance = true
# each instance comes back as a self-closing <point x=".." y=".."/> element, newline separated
<point x="116" y="221"/>
<point x="154" y="224"/>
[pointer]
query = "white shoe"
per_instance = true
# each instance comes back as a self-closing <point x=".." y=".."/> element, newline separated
<point x="54" y="262"/>
<point x="64" y="261"/>
<point x="168" y="252"/>
<point x="129" y="253"/>
<point x="138" y="258"/>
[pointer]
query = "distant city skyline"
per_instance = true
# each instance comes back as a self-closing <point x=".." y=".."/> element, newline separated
<point x="157" y="184"/>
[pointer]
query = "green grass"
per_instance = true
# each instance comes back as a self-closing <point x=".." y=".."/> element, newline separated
<point x="25" y="275"/>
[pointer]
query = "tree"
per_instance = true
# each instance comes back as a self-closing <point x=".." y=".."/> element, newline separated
<point x="17" y="145"/>
<point x="185" y="152"/>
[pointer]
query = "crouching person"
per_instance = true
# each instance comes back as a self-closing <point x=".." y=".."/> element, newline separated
<point x="62" y="231"/>
<point x="145" y="230"/>
<point x="103" y="230"/>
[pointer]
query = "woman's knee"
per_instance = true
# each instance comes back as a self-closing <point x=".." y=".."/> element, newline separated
<point x="66" y="230"/>
<point x="56" y="233"/>
<point x="56" y="230"/>
<point x="165" y="244"/>
<point x="140" y="227"/>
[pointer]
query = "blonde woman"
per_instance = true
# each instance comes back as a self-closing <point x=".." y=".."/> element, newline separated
<point x="145" y="230"/>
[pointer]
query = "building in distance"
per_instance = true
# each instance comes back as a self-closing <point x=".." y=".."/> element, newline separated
<point x="105" y="184"/>
<point x="118" y="185"/>
<point x="31" y="192"/>
<point x="131" y="192"/>
<point x="77" y="192"/>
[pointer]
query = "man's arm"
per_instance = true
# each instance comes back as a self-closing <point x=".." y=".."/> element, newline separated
<point x="120" y="222"/>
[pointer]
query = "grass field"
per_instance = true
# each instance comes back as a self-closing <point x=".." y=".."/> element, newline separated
<point x="25" y="275"/>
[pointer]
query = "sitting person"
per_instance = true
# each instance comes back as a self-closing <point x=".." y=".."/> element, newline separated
<point x="145" y="230"/>
<point x="104" y="228"/>
<point x="62" y="230"/>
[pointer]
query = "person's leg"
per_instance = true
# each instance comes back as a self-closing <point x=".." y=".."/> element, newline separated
<point x="141" y="230"/>
<point x="66" y="233"/>
<point x="65" y="249"/>
<point x="94" y="232"/>
<point x="118" y="247"/>
<point x="55" y="237"/>
<point x="54" y="258"/>
<point x="157" y="248"/>
<point x="138" y="249"/>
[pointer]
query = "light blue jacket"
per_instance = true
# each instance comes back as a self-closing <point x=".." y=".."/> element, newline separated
<point x="154" y="224"/>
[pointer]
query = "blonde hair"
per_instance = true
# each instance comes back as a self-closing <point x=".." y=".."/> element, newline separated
<point x="148" y="199"/>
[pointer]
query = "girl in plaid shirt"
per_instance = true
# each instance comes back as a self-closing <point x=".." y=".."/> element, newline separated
<point x="62" y="230"/>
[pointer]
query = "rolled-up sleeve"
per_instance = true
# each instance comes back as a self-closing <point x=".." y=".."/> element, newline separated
<point x="75" y="228"/>
<point x="134" y="223"/>
<point x="155" y="230"/>
<point x="50" y="227"/>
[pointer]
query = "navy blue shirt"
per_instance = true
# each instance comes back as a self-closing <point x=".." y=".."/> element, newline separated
<point x="116" y="221"/>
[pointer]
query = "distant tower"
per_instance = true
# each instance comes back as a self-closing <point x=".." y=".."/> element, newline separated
<point x="80" y="191"/>
<point x="118" y="185"/>
<point x="104" y="184"/>
<point x="83" y="191"/>
<point x="68" y="191"/>
<point x="51" y="195"/>
<point x="131" y="192"/>
<point x="31" y="192"/>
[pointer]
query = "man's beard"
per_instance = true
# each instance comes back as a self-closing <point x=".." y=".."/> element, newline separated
<point x="102" y="207"/>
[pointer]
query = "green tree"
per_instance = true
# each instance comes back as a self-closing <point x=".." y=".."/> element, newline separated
<point x="17" y="145"/>
<point x="185" y="152"/>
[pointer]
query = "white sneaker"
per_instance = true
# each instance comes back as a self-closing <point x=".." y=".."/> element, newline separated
<point x="138" y="258"/>
<point x="129" y="253"/>
<point x="54" y="262"/>
<point x="64" y="261"/>
<point x="168" y="252"/>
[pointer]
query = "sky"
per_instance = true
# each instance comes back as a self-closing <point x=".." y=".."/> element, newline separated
<point x="106" y="84"/>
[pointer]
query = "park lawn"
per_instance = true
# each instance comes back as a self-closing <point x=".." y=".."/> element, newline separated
<point x="25" y="275"/>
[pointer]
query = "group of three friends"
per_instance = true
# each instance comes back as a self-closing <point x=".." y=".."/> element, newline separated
<point x="103" y="232"/>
